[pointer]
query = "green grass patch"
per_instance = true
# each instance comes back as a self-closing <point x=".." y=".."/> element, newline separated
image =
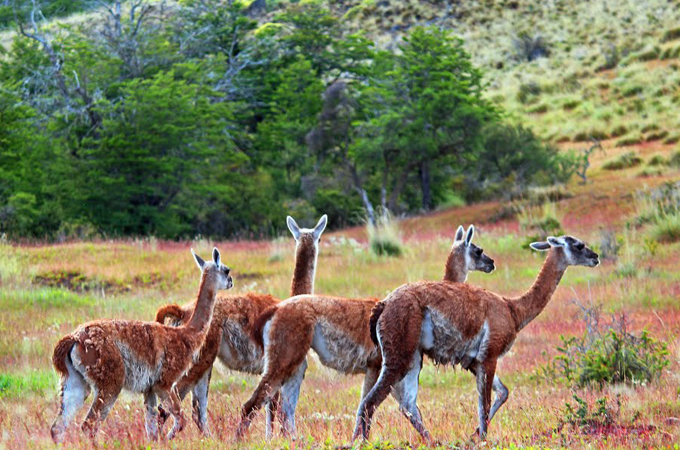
<point x="629" y="139"/>
<point x="16" y="385"/>
<point x="42" y="298"/>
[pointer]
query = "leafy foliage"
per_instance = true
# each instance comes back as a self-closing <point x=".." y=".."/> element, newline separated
<point x="608" y="354"/>
<point x="202" y="121"/>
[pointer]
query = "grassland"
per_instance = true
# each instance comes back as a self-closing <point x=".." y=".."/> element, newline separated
<point x="47" y="290"/>
<point x="612" y="74"/>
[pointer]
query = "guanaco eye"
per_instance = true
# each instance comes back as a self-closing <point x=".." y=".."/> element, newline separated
<point x="580" y="246"/>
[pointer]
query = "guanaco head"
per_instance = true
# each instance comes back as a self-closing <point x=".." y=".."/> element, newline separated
<point x="574" y="251"/>
<point x="306" y="235"/>
<point x="466" y="256"/>
<point x="218" y="272"/>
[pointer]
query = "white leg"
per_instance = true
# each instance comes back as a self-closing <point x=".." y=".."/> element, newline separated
<point x="151" y="422"/>
<point x="290" y="393"/>
<point x="74" y="391"/>
<point x="199" y="400"/>
<point x="406" y="393"/>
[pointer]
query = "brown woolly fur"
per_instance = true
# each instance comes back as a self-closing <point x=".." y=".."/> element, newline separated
<point x="455" y="323"/>
<point x="61" y="352"/>
<point x="232" y="337"/>
<point x="373" y="321"/>
<point x="175" y="312"/>
<point x="338" y="331"/>
<point x="107" y="356"/>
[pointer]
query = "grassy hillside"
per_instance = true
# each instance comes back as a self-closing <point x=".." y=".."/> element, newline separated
<point x="611" y="69"/>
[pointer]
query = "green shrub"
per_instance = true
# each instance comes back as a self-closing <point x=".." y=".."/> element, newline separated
<point x="624" y="161"/>
<point x="657" y="160"/>
<point x="629" y="139"/>
<point x="608" y="354"/>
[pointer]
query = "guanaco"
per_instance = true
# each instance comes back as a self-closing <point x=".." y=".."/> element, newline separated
<point x="107" y="356"/>
<point x="338" y="331"/>
<point x="229" y="336"/>
<point x="459" y="324"/>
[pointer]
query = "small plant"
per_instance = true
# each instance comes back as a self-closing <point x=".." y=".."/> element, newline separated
<point x="624" y="161"/>
<point x="581" y="415"/>
<point x="530" y="47"/>
<point x="383" y="237"/>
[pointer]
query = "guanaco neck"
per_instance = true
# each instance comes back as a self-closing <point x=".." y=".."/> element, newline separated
<point x="202" y="314"/>
<point x="526" y="307"/>
<point x="456" y="265"/>
<point x="306" y="253"/>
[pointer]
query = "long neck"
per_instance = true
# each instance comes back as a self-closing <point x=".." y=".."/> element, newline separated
<point x="530" y="305"/>
<point x="306" y="253"/>
<point x="200" y="318"/>
<point x="456" y="266"/>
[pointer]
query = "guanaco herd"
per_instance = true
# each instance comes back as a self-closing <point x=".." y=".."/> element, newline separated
<point x="385" y="340"/>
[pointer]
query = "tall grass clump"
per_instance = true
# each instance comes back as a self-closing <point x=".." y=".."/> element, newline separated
<point x="660" y="209"/>
<point x="539" y="222"/>
<point x="383" y="236"/>
<point x="624" y="161"/>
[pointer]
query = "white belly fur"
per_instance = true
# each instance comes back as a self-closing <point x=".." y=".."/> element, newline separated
<point x="338" y="351"/>
<point x="445" y="344"/>
<point x="238" y="351"/>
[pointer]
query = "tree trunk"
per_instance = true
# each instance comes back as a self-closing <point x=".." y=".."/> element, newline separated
<point x="370" y="212"/>
<point x="425" y="185"/>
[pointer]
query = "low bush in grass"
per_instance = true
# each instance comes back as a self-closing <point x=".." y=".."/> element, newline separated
<point x="657" y="160"/>
<point x="608" y="354"/>
<point x="539" y="222"/>
<point x="629" y="139"/>
<point x="659" y="208"/>
<point x="383" y="237"/>
<point x="624" y="161"/>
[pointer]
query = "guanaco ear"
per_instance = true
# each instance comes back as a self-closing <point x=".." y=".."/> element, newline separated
<point x="199" y="261"/>
<point x="320" y="226"/>
<point x="540" y="246"/>
<point x="460" y="232"/>
<point x="293" y="227"/>
<point x="469" y="236"/>
<point x="216" y="257"/>
<point x="555" y="242"/>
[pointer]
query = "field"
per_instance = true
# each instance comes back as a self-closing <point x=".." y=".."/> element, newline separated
<point x="48" y="289"/>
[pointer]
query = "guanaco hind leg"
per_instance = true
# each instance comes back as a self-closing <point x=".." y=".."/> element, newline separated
<point x="199" y="402"/>
<point x="290" y="394"/>
<point x="74" y="391"/>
